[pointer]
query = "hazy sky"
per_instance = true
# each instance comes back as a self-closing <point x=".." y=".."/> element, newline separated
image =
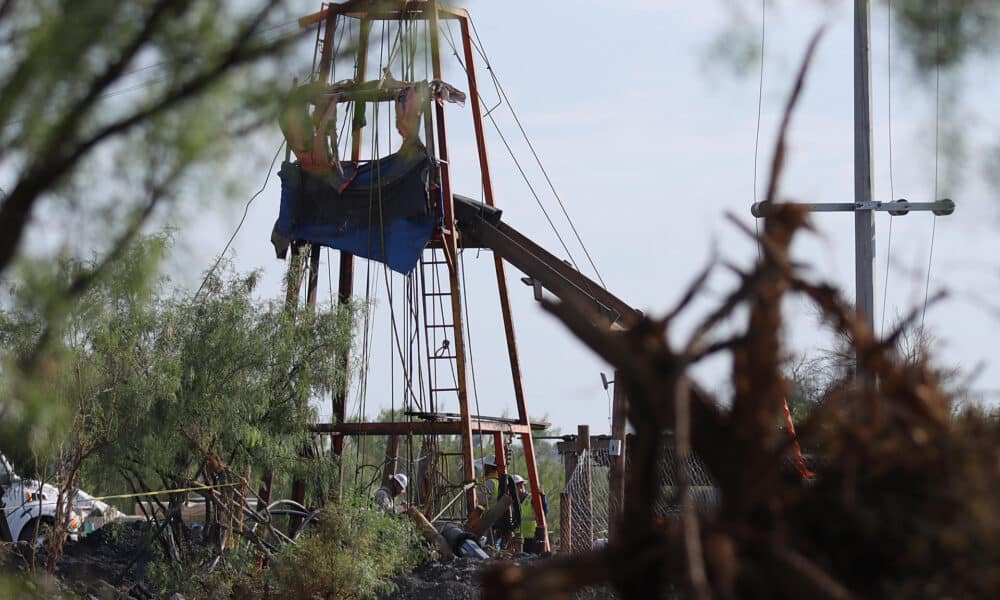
<point x="650" y="143"/>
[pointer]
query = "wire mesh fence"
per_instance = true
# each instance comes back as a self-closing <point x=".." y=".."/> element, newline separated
<point x="588" y="492"/>
<point x="591" y="503"/>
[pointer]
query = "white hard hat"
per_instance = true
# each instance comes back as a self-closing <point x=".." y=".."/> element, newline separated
<point x="490" y="460"/>
<point x="517" y="479"/>
<point x="400" y="479"/>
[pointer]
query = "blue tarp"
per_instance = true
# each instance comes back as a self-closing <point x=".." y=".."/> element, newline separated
<point x="379" y="210"/>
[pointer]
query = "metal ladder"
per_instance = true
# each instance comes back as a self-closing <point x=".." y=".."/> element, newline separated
<point x="439" y="330"/>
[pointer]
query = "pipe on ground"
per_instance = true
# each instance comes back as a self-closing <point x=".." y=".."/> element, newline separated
<point x="431" y="535"/>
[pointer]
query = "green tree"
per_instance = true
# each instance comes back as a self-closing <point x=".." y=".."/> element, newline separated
<point x="167" y="389"/>
<point x="108" y="111"/>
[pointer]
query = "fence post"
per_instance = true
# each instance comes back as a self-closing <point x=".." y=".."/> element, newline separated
<point x="565" y="522"/>
<point x="585" y="541"/>
<point x="616" y="476"/>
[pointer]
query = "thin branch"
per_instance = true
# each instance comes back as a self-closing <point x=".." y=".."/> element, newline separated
<point x="16" y="209"/>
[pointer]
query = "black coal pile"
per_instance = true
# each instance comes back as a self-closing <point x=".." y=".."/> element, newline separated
<point x="454" y="580"/>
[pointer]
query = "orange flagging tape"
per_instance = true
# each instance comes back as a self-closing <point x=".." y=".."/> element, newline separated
<point x="800" y="462"/>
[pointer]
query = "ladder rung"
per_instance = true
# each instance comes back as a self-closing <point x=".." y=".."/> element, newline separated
<point x="441" y="326"/>
<point x="433" y="262"/>
<point x="447" y="356"/>
<point x="437" y="293"/>
<point x="433" y="390"/>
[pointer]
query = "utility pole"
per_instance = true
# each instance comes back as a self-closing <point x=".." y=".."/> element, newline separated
<point x="864" y="218"/>
<point x="864" y="207"/>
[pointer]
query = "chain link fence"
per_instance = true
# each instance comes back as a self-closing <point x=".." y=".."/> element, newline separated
<point x="591" y="501"/>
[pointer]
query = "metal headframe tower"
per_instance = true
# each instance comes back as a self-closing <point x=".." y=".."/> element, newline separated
<point x="446" y="239"/>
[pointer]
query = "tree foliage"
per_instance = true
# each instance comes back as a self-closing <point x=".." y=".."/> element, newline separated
<point x="108" y="112"/>
<point x="166" y="389"/>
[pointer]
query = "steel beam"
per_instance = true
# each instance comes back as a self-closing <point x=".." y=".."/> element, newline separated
<point x="487" y="181"/>
<point x="559" y="278"/>
<point x="419" y="428"/>
<point x="541" y="525"/>
<point x="362" y="9"/>
<point x="449" y="236"/>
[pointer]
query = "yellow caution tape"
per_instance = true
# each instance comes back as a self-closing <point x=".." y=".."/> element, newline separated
<point x="136" y="495"/>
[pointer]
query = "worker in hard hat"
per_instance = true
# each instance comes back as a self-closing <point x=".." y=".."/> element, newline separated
<point x="491" y="476"/>
<point x="528" y="513"/>
<point x="385" y="496"/>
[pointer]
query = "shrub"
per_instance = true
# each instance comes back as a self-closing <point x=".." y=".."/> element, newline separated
<point x="352" y="553"/>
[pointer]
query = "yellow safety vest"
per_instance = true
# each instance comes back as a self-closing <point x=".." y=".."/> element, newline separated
<point x="527" y="519"/>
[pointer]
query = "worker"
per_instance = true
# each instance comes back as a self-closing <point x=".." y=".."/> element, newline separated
<point x="312" y="138"/>
<point x="491" y="476"/>
<point x="385" y="496"/>
<point x="528" y="513"/>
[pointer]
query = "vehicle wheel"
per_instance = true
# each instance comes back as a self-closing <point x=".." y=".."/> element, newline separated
<point x="28" y="536"/>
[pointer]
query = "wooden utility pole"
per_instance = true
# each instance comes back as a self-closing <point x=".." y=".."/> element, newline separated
<point x="864" y="218"/>
<point x="616" y="474"/>
<point x="585" y="541"/>
<point x="864" y="207"/>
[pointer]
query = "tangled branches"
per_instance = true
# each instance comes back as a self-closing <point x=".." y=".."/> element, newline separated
<point x="903" y="504"/>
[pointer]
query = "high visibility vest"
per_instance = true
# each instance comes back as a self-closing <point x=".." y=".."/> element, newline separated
<point x="527" y="518"/>
<point x="489" y="490"/>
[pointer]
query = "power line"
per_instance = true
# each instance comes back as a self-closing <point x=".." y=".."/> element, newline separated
<point x="531" y="147"/>
<point x="892" y="189"/>
<point x="246" y="210"/>
<point x="760" y="102"/>
<point x="517" y="164"/>
<point x="937" y="152"/>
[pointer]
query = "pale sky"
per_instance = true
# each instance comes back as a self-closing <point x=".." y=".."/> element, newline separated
<point x="650" y="145"/>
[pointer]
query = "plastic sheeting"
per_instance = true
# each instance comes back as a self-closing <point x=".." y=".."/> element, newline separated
<point x="379" y="210"/>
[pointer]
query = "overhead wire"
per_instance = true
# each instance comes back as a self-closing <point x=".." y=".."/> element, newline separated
<point x="517" y="164"/>
<point x="760" y="103"/>
<point x="496" y="80"/>
<point x="246" y="210"/>
<point x="937" y="131"/>
<point x="892" y="189"/>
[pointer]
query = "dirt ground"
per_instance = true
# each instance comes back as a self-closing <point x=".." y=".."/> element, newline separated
<point x="457" y="580"/>
<point x="109" y="563"/>
<point x="99" y="565"/>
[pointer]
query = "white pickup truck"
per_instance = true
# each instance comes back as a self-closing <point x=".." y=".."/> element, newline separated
<point x="30" y="505"/>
